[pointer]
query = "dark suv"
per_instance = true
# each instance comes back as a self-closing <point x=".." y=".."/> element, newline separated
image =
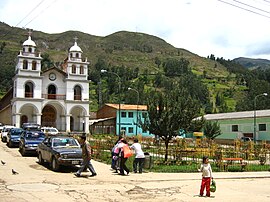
<point x="29" y="141"/>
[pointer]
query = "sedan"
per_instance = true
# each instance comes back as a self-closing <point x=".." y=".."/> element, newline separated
<point x="13" y="137"/>
<point x="29" y="141"/>
<point x="59" y="151"/>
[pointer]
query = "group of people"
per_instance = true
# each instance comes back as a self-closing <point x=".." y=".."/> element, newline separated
<point x="119" y="158"/>
<point x="119" y="161"/>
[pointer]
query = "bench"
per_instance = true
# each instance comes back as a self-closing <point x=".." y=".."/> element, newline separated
<point x="229" y="162"/>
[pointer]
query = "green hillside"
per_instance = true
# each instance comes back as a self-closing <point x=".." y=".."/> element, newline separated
<point x="253" y="63"/>
<point x="126" y="50"/>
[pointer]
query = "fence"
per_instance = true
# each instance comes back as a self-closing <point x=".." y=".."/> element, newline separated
<point x="185" y="155"/>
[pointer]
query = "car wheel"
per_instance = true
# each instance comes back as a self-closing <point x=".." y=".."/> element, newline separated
<point x="40" y="159"/>
<point x="9" y="144"/>
<point x="4" y="139"/>
<point x="55" y="165"/>
<point x="23" y="151"/>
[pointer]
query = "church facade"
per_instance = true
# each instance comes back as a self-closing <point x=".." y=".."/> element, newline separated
<point x="57" y="97"/>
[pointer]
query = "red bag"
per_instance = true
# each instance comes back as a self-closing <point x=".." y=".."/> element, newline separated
<point x="127" y="151"/>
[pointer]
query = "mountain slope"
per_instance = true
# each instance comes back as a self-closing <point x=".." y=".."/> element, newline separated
<point x="253" y="63"/>
<point x="129" y="49"/>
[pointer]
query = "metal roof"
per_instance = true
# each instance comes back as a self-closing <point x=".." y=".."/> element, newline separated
<point x="237" y="115"/>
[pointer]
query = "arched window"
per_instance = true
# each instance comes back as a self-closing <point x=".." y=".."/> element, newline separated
<point x="73" y="69"/>
<point x="51" y="92"/>
<point x="30" y="50"/>
<point x="25" y="64"/>
<point x="34" y="65"/>
<point x="81" y="70"/>
<point x="28" y="90"/>
<point x="70" y="55"/>
<point x="77" y="93"/>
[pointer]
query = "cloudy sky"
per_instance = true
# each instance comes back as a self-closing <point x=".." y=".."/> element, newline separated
<point x="225" y="28"/>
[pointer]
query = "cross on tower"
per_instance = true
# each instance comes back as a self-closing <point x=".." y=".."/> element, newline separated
<point x="75" y="38"/>
<point x="29" y="32"/>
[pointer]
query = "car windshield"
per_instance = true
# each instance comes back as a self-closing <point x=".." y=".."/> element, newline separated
<point x="64" y="142"/>
<point x="35" y="135"/>
<point x="16" y="131"/>
<point x="51" y="130"/>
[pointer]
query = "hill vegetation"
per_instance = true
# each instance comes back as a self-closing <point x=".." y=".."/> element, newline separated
<point x="253" y="63"/>
<point x="143" y="62"/>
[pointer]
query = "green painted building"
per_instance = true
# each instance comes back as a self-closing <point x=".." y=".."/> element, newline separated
<point x="235" y="125"/>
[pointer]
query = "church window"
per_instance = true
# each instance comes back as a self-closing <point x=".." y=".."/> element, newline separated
<point x="77" y="55"/>
<point x="77" y="93"/>
<point x="25" y="64"/>
<point x="73" y="69"/>
<point x="34" y="65"/>
<point x="28" y="90"/>
<point x="51" y="92"/>
<point x="81" y="70"/>
<point x="30" y="50"/>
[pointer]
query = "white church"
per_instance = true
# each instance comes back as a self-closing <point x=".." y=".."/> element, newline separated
<point x="57" y="97"/>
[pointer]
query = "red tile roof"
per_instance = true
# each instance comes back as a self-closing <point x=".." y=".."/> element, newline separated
<point x="128" y="107"/>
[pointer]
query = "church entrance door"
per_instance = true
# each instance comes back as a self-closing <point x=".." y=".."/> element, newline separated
<point x="48" y="116"/>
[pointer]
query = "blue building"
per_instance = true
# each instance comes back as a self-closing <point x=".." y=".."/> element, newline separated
<point x="110" y="118"/>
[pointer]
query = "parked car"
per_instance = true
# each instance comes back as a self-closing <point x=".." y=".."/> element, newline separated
<point x="246" y="139"/>
<point x="4" y="132"/>
<point x="49" y="130"/>
<point x="59" y="151"/>
<point x="29" y="141"/>
<point x="31" y="126"/>
<point x="13" y="137"/>
<point x="1" y="127"/>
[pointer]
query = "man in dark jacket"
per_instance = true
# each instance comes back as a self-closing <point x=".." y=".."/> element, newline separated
<point x="86" y="156"/>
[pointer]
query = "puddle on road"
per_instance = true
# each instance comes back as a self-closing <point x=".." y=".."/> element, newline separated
<point x="33" y="187"/>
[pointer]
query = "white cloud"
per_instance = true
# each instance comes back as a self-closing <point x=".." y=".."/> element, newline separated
<point x="202" y="27"/>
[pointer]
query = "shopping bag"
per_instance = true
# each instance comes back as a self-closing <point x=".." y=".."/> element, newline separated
<point x="213" y="186"/>
<point x="127" y="151"/>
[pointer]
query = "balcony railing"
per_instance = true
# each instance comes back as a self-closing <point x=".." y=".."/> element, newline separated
<point x="28" y="94"/>
<point x="54" y="96"/>
<point x="77" y="97"/>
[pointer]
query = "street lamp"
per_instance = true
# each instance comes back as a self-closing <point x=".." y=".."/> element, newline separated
<point x="136" y="109"/>
<point x="254" y="133"/>
<point x="119" y="88"/>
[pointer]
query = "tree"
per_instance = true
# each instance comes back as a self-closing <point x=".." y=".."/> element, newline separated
<point x="211" y="129"/>
<point x="46" y="61"/>
<point x="168" y="113"/>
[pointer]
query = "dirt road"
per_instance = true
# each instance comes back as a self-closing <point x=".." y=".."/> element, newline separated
<point x="39" y="184"/>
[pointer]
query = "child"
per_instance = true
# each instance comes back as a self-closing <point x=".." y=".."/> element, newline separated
<point x="123" y="160"/>
<point x="139" y="158"/>
<point x="206" y="176"/>
<point x="115" y="154"/>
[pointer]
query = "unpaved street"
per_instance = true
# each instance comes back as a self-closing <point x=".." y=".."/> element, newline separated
<point x="38" y="183"/>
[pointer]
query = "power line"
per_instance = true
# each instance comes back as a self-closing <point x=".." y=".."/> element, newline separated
<point x="266" y="1"/>
<point x="251" y="6"/>
<point x="39" y="13"/>
<point x="23" y="18"/>
<point x="245" y="9"/>
<point x="31" y="12"/>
